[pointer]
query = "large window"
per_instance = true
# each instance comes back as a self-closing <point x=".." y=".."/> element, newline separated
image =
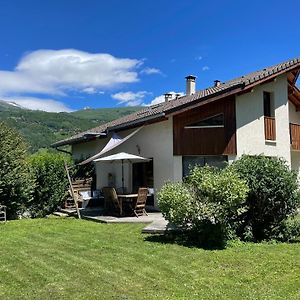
<point x="188" y="162"/>
<point x="142" y="175"/>
<point x="215" y="121"/>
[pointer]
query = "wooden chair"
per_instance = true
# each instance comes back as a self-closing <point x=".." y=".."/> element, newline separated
<point x="3" y="213"/>
<point x="111" y="201"/>
<point x="139" y="207"/>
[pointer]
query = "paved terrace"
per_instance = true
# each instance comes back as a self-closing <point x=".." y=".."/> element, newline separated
<point x="155" y="220"/>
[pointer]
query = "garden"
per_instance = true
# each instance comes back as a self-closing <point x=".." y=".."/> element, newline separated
<point x="238" y="235"/>
<point x="78" y="259"/>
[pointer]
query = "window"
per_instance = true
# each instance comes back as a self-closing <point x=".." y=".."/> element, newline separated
<point x="188" y="162"/>
<point x="142" y="175"/>
<point x="268" y="105"/>
<point x="215" y="121"/>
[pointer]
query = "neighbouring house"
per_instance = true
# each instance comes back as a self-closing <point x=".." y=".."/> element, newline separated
<point x="258" y="113"/>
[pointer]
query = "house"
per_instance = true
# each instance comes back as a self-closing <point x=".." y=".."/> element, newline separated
<point x="258" y="113"/>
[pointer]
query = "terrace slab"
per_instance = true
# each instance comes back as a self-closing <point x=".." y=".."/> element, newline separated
<point x="152" y="217"/>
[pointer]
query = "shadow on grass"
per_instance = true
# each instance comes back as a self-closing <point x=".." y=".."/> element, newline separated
<point x="186" y="240"/>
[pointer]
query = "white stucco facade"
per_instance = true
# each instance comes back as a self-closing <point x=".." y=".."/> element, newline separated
<point x="250" y="133"/>
<point x="295" y="155"/>
<point x="154" y="141"/>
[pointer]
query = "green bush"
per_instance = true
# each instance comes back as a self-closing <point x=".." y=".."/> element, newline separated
<point x="207" y="205"/>
<point x="16" y="182"/>
<point x="288" y="230"/>
<point x="51" y="182"/>
<point x="221" y="190"/>
<point x="273" y="196"/>
<point x="176" y="202"/>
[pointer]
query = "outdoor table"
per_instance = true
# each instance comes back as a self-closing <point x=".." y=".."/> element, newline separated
<point x="128" y="198"/>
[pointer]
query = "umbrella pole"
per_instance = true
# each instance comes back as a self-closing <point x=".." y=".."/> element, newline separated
<point x="122" y="176"/>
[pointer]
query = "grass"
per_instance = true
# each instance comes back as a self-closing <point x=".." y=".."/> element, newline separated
<point x="77" y="259"/>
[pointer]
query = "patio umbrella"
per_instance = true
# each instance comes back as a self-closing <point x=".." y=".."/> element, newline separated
<point x="123" y="157"/>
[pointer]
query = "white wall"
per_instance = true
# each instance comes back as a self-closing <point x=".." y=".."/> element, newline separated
<point x="84" y="150"/>
<point x="294" y="115"/>
<point x="154" y="141"/>
<point x="250" y="121"/>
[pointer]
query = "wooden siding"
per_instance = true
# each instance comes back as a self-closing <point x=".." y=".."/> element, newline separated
<point x="206" y="141"/>
<point x="270" y="129"/>
<point x="295" y="136"/>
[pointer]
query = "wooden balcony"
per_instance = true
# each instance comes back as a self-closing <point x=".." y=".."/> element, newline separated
<point x="270" y="129"/>
<point x="295" y="136"/>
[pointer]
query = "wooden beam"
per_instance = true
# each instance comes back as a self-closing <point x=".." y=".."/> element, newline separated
<point x="72" y="190"/>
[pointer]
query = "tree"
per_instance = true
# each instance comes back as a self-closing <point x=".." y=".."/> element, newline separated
<point x="16" y="182"/>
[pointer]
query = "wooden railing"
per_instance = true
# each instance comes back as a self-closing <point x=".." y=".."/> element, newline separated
<point x="295" y="136"/>
<point x="270" y="129"/>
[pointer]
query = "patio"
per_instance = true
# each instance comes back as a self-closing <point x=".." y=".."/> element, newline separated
<point x="155" y="220"/>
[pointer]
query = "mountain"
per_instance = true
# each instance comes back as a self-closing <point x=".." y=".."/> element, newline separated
<point x="41" y="129"/>
<point x="9" y="105"/>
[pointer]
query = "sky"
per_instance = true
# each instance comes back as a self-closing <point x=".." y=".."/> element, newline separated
<point x="71" y="54"/>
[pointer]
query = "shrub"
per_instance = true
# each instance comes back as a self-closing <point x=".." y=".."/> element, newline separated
<point x="207" y="205"/>
<point x="16" y="182"/>
<point x="273" y="196"/>
<point x="288" y="230"/>
<point x="51" y="182"/>
<point x="176" y="203"/>
<point x="223" y="190"/>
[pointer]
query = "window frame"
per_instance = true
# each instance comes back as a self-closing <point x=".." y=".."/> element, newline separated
<point x="206" y="126"/>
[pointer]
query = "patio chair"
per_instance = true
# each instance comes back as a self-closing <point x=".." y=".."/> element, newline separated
<point x="111" y="201"/>
<point x="139" y="207"/>
<point x="3" y="213"/>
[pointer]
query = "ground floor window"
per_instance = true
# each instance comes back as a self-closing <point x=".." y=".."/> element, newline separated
<point x="142" y="176"/>
<point x="188" y="162"/>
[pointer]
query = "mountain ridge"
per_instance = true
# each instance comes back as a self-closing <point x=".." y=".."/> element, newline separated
<point x="41" y="129"/>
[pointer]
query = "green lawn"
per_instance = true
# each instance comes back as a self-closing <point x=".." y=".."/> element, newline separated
<point x="76" y="259"/>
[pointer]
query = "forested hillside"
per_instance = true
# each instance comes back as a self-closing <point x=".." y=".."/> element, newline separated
<point x="41" y="129"/>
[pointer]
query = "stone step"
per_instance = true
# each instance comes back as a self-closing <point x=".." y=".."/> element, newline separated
<point x="68" y="211"/>
<point x="60" y="214"/>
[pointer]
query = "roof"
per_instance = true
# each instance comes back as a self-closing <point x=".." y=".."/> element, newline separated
<point x="158" y="111"/>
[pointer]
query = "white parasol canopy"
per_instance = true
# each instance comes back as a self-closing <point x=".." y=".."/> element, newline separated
<point x="122" y="157"/>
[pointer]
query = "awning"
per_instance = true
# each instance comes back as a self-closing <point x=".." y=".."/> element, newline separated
<point x="114" y="142"/>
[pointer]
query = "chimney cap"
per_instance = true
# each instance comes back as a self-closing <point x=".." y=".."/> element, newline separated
<point x="217" y="82"/>
<point x="168" y="96"/>
<point x="191" y="77"/>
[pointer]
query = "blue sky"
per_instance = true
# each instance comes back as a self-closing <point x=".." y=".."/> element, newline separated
<point x="66" y="55"/>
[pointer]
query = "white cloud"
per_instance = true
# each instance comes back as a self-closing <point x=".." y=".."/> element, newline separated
<point x="161" y="98"/>
<point x="130" y="98"/>
<point x="59" y="71"/>
<point x="33" y="103"/>
<point x="91" y="91"/>
<point x="205" y="68"/>
<point x="150" y="71"/>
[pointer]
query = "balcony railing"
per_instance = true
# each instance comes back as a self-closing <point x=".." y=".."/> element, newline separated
<point x="270" y="129"/>
<point x="295" y="136"/>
